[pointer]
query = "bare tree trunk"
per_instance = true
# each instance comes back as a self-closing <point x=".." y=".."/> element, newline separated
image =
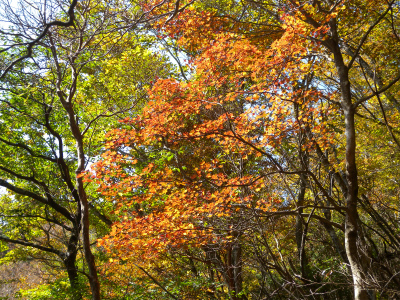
<point x="237" y="270"/>
<point x="300" y="232"/>
<point x="93" y="278"/>
<point x="351" y="221"/>
<point x="70" y="265"/>
<point x="83" y="202"/>
<point x="233" y="271"/>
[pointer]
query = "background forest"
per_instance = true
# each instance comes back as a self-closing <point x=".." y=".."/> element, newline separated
<point x="173" y="149"/>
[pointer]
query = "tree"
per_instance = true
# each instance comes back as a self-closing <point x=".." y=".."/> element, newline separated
<point x="54" y="110"/>
<point x="256" y="152"/>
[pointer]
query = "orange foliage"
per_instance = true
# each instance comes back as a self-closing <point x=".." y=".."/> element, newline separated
<point x="237" y="108"/>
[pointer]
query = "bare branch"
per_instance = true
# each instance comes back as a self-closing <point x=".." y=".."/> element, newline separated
<point x="30" y="45"/>
<point x="29" y="244"/>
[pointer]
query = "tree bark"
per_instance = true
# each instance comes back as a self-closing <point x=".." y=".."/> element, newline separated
<point x="351" y="220"/>
<point x="69" y="263"/>
<point x="83" y="202"/>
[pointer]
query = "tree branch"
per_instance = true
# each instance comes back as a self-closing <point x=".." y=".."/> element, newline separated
<point x="39" y="198"/>
<point x="29" y="244"/>
<point x="30" y="45"/>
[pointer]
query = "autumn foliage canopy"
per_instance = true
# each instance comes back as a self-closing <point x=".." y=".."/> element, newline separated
<point x="264" y="164"/>
<point x="251" y="147"/>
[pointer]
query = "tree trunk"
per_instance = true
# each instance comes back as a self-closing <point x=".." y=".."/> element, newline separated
<point x="69" y="262"/>
<point x="351" y="220"/>
<point x="93" y="278"/>
<point x="83" y="202"/>
<point x="237" y="270"/>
